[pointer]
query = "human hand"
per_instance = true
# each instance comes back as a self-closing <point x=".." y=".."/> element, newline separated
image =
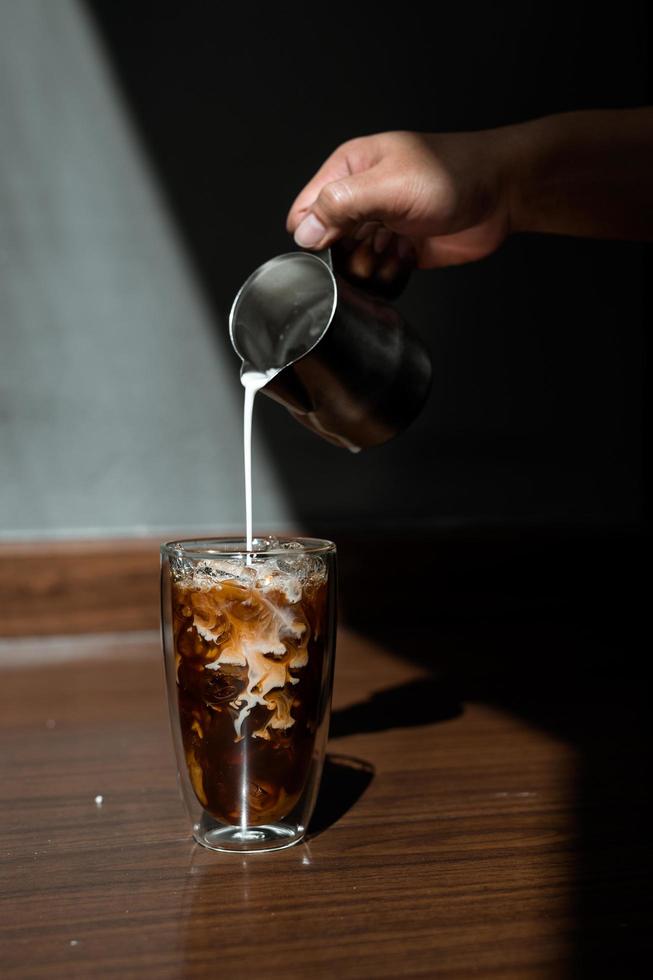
<point x="443" y="197"/>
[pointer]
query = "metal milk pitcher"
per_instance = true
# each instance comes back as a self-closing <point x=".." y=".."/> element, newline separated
<point x="343" y="361"/>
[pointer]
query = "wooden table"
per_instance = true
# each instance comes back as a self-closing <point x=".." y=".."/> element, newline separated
<point x="459" y="833"/>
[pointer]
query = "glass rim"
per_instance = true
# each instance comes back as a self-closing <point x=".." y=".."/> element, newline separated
<point x="200" y="548"/>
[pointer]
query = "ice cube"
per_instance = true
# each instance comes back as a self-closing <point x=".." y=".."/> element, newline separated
<point x="181" y="568"/>
<point x="303" y="567"/>
<point x="276" y="581"/>
<point x="210" y="572"/>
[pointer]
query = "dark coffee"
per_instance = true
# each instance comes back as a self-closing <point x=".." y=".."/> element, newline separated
<point x="250" y="652"/>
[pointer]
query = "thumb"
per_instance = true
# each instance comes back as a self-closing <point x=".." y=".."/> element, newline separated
<point x="344" y="204"/>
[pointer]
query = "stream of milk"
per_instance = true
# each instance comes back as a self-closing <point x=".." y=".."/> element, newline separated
<point x="252" y="381"/>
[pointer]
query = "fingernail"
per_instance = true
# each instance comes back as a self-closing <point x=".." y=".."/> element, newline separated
<point x="310" y="231"/>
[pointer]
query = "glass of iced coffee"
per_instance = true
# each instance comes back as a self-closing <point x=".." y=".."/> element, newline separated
<point x="249" y="643"/>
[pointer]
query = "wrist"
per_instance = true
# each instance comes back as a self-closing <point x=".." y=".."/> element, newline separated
<point x="521" y="161"/>
<point x="580" y="173"/>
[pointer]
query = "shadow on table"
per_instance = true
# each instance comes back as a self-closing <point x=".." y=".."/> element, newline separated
<point x="421" y="702"/>
<point x="344" y="780"/>
<point x="601" y="705"/>
<point x="551" y="628"/>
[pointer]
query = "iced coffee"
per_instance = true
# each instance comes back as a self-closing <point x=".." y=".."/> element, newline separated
<point x="252" y="639"/>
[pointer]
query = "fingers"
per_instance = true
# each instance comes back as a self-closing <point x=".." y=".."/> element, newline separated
<point x="331" y="214"/>
<point x="382" y="272"/>
<point x="381" y="240"/>
<point x="332" y="169"/>
<point x="366" y="263"/>
<point x="349" y="158"/>
<point x="344" y="205"/>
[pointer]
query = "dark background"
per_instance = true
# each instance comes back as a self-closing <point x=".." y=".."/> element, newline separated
<point x="536" y="412"/>
<point x="515" y="547"/>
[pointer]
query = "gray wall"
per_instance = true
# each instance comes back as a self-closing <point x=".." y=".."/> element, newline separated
<point x="117" y="409"/>
<point x="148" y="155"/>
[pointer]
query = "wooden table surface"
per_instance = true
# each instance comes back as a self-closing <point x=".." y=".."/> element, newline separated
<point x="450" y="838"/>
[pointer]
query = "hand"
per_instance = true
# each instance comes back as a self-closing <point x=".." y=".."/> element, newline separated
<point x="444" y="197"/>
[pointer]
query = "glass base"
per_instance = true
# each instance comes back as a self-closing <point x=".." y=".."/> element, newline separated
<point x="270" y="837"/>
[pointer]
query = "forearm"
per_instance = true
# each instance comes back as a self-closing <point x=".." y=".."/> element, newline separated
<point x="582" y="173"/>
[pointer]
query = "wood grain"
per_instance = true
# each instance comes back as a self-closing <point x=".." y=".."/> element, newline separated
<point x="78" y="587"/>
<point x="449" y="842"/>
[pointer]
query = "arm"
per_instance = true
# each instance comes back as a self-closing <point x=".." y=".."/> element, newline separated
<point x="584" y="173"/>
<point x="454" y="197"/>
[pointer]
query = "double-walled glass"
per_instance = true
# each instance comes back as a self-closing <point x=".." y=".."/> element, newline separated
<point x="249" y="644"/>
